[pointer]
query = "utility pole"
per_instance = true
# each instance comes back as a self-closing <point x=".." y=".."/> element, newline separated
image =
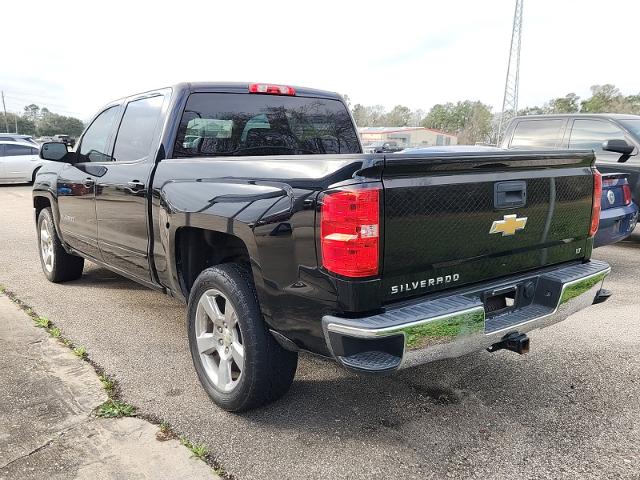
<point x="6" y="122"/>
<point x="510" y="100"/>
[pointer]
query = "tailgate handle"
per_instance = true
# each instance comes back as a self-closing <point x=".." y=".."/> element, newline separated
<point x="510" y="194"/>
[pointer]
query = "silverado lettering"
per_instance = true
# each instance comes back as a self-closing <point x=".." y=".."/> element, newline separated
<point x="255" y="206"/>
<point x="429" y="282"/>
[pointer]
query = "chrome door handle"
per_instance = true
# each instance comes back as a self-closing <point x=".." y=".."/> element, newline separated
<point x="135" y="185"/>
<point x="88" y="182"/>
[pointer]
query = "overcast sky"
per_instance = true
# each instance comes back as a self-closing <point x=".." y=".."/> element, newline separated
<point x="73" y="57"/>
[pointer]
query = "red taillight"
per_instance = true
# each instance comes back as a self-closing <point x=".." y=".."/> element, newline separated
<point x="271" y="89"/>
<point x="626" y="193"/>
<point x="595" y="209"/>
<point x="349" y="232"/>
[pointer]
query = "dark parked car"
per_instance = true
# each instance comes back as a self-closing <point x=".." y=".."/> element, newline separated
<point x="66" y="139"/>
<point x="615" y="139"/>
<point x="254" y="204"/>
<point x="382" y="147"/>
<point x="618" y="212"/>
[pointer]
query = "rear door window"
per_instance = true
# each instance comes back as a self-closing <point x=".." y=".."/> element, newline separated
<point x="137" y="129"/>
<point x="17" y="150"/>
<point x="538" y="134"/>
<point x="590" y="134"/>
<point x="236" y="124"/>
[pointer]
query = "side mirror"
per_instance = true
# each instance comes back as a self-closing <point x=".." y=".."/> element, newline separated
<point x="54" y="151"/>
<point x="617" y="146"/>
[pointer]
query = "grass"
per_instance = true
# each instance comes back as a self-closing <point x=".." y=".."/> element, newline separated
<point x="42" y="322"/>
<point x="80" y="352"/>
<point x="197" y="449"/>
<point x="109" y="384"/>
<point x="55" y="332"/>
<point x="113" y="408"/>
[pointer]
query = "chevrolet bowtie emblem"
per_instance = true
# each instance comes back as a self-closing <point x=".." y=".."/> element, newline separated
<point x="509" y="225"/>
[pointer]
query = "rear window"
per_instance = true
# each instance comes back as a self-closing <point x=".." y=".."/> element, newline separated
<point x="236" y="124"/>
<point x="537" y="134"/>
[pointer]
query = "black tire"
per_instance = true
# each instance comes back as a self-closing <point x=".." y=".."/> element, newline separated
<point x="268" y="369"/>
<point x="63" y="266"/>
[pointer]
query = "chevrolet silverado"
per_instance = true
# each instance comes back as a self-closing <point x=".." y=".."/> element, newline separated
<point x="254" y="204"/>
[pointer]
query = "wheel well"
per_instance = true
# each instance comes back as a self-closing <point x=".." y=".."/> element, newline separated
<point x="35" y="172"/>
<point x="198" y="249"/>
<point x="40" y="203"/>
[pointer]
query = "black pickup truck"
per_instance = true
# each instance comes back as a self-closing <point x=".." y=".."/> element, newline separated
<point x="254" y="204"/>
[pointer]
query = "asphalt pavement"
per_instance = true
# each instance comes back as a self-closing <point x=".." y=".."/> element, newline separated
<point x="570" y="408"/>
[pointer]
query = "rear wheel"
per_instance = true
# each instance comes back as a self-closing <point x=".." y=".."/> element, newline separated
<point x="57" y="264"/>
<point x="238" y="362"/>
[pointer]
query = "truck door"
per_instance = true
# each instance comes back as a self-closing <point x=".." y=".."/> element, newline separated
<point x="76" y="184"/>
<point x="122" y="193"/>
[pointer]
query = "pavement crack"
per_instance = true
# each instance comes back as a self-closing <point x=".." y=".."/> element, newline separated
<point x="44" y="445"/>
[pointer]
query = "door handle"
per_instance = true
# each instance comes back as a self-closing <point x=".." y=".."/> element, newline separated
<point x="135" y="185"/>
<point x="88" y="182"/>
<point x="512" y="194"/>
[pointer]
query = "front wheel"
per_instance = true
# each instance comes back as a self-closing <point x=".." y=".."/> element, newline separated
<point x="238" y="362"/>
<point x="57" y="264"/>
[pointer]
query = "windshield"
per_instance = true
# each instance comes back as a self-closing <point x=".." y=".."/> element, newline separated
<point x="633" y="126"/>
<point x="236" y="124"/>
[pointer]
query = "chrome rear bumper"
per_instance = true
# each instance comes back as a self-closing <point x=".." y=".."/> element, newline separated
<point x="454" y="325"/>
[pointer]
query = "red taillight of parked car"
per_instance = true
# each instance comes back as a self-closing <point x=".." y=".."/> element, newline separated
<point x="597" y="196"/>
<point x="350" y="232"/>
<point x="626" y="194"/>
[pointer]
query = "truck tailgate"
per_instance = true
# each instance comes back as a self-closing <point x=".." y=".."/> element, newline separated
<point x="454" y="219"/>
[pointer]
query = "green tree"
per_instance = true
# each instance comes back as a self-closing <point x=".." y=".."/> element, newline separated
<point x="52" y="124"/>
<point x="399" y="116"/>
<point x="567" y="104"/>
<point x="32" y="112"/>
<point x="24" y="125"/>
<point x="604" y="98"/>
<point x="533" y="111"/>
<point x="470" y="121"/>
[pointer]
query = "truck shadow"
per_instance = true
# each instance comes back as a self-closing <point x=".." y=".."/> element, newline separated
<point x="94" y="276"/>
<point x="351" y="405"/>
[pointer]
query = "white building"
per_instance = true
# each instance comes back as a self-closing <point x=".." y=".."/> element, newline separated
<point x="406" y="136"/>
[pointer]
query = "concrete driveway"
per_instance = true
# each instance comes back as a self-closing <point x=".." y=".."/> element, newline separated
<point x="568" y="409"/>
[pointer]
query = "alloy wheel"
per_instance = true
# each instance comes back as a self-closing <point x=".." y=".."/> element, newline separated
<point x="46" y="245"/>
<point x="219" y="340"/>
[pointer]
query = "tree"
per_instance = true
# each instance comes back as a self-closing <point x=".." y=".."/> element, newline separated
<point x="470" y="121"/>
<point x="32" y="112"/>
<point x="567" y="104"/>
<point x="24" y="125"/>
<point x="533" y="110"/>
<point x="604" y="98"/>
<point x="399" y="116"/>
<point x="52" y="124"/>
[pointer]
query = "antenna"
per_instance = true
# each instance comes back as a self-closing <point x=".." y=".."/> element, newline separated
<point x="510" y="101"/>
